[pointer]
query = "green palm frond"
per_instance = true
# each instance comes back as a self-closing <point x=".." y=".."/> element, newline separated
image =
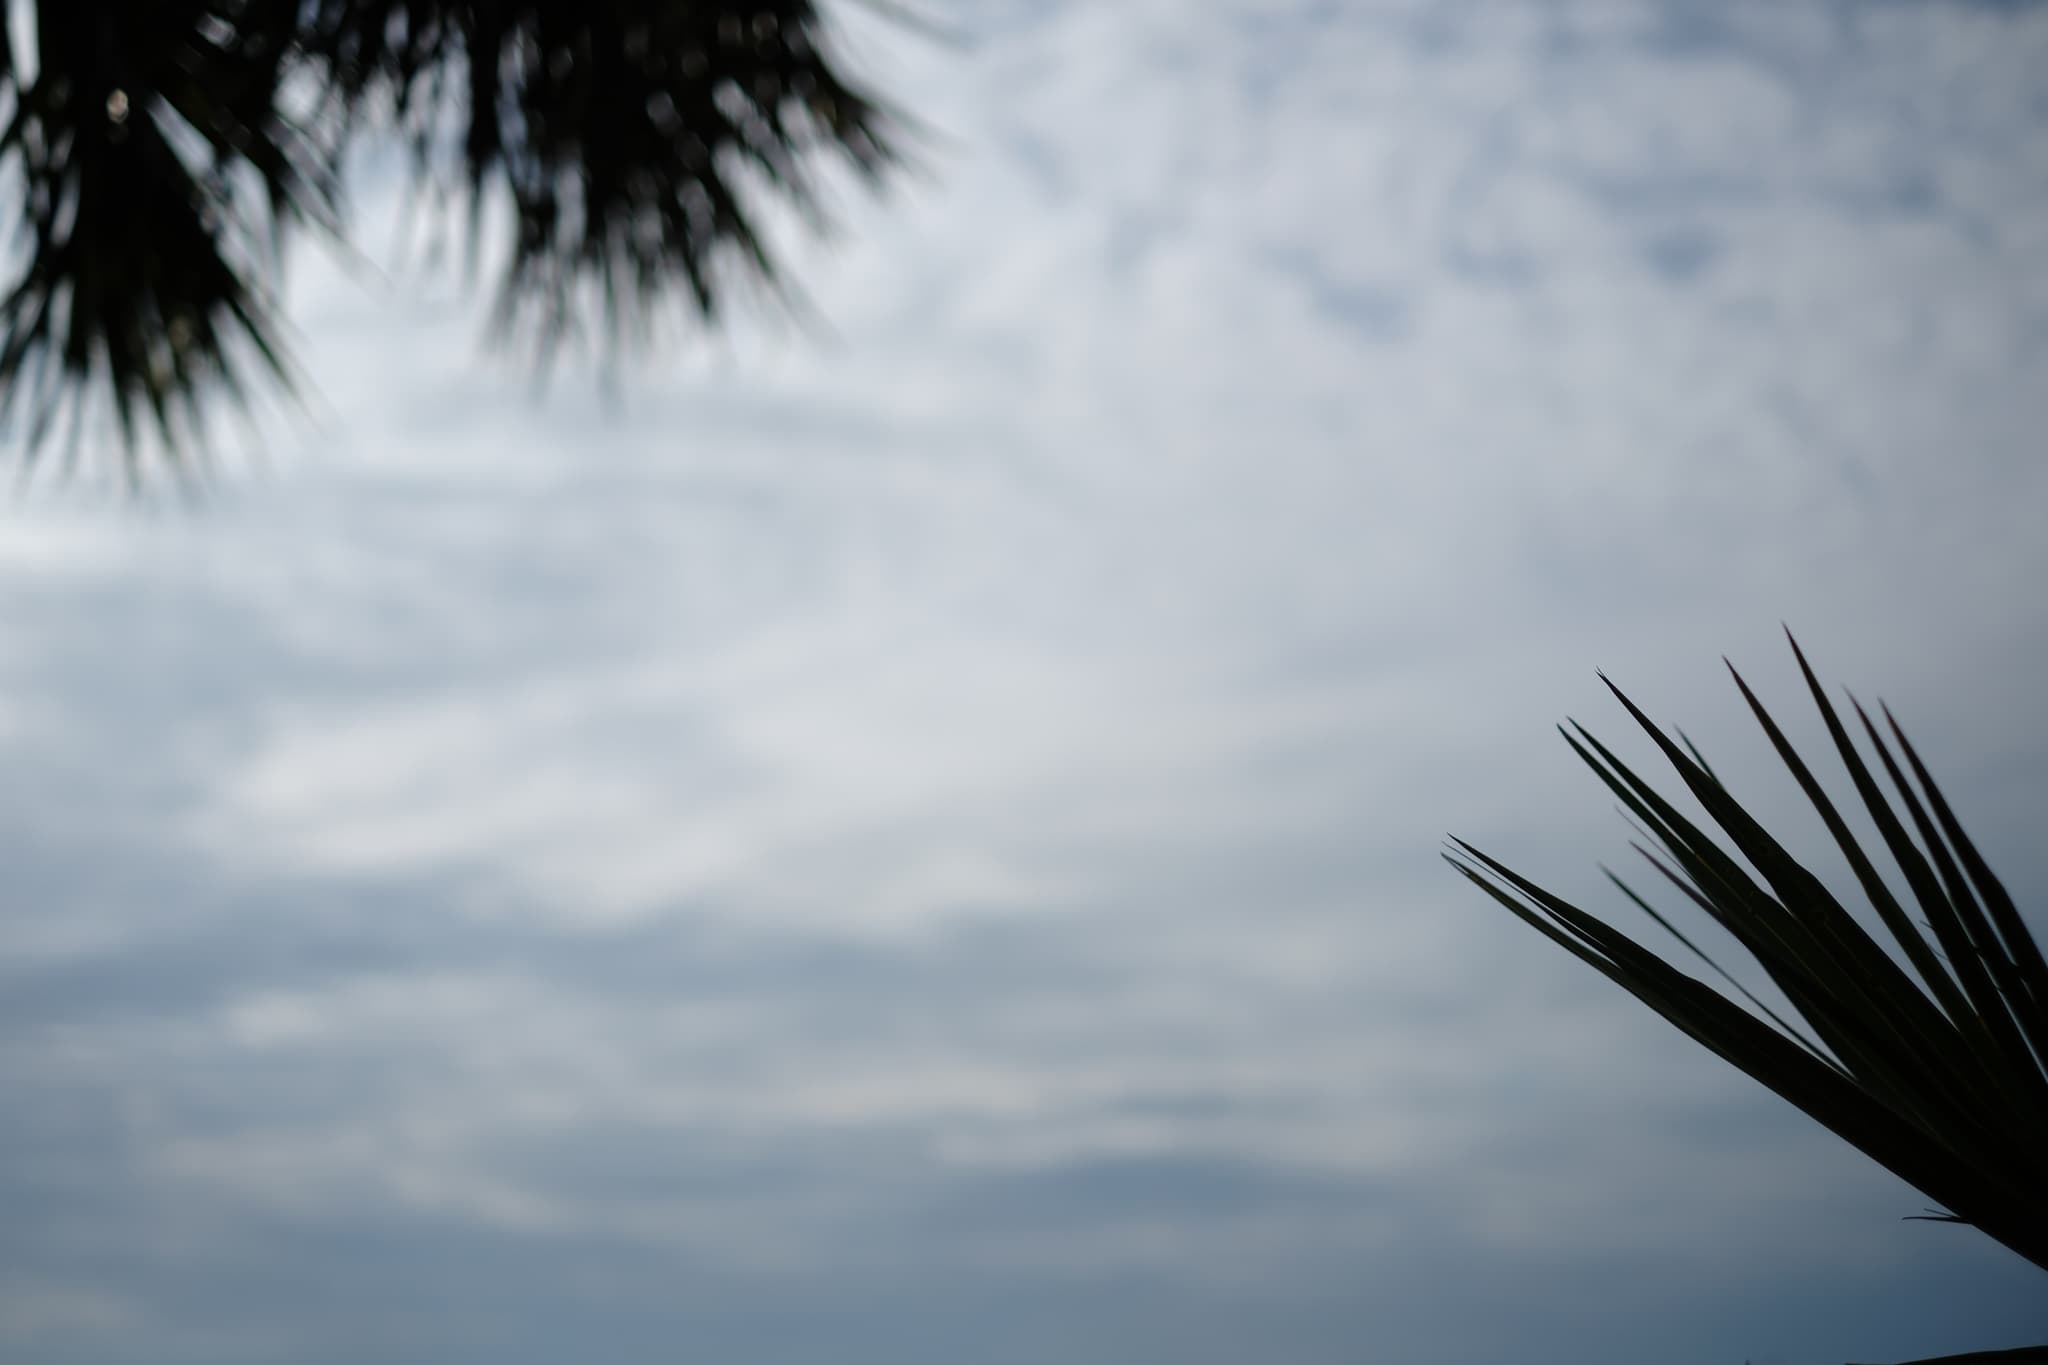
<point x="1930" y="1055"/>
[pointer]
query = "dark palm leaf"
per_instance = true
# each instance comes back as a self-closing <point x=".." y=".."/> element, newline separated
<point x="166" y="149"/>
<point x="157" y="170"/>
<point x="1934" y="1062"/>
<point x="626" y="132"/>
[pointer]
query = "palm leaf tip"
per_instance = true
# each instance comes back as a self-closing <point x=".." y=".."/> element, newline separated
<point x="2023" y="1355"/>
<point x="1924" y="1047"/>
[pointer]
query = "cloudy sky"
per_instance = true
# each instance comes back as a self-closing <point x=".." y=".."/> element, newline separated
<point x="914" y="839"/>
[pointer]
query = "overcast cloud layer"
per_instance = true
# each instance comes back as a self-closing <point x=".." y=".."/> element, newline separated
<point x="917" y="842"/>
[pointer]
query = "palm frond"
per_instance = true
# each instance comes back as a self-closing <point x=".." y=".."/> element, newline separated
<point x="1929" y="1053"/>
<point x="2024" y="1355"/>
<point x="625" y="132"/>
<point x="165" y="151"/>
<point x="147" y="245"/>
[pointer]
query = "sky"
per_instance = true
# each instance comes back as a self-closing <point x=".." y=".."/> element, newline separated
<point x="913" y="836"/>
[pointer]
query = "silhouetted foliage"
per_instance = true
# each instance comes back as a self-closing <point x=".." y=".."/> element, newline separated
<point x="165" y="151"/>
<point x="1930" y="1056"/>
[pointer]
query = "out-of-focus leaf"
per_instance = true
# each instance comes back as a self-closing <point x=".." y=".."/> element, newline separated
<point x="167" y="151"/>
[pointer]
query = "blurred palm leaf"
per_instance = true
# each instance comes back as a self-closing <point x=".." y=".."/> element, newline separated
<point x="624" y="130"/>
<point x="165" y="151"/>
<point x="157" y="167"/>
<point x="1932" y="1059"/>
